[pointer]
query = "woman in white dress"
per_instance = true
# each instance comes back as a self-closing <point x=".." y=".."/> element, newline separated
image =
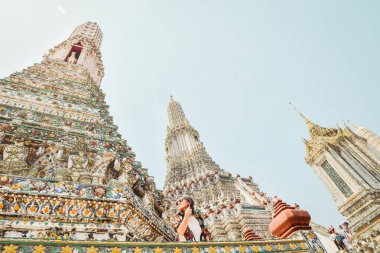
<point x="188" y="223"/>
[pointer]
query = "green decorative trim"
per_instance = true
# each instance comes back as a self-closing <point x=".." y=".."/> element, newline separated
<point x="281" y="245"/>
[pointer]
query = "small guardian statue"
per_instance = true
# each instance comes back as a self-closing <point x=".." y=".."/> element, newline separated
<point x="72" y="59"/>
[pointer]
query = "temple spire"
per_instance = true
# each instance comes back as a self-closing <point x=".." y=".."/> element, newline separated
<point x="81" y="50"/>
<point x="176" y="115"/>
<point x="300" y="113"/>
<point x="181" y="138"/>
<point x="315" y="130"/>
<point x="89" y="30"/>
<point x="191" y="171"/>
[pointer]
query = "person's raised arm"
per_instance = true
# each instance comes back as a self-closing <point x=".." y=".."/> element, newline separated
<point x="185" y="222"/>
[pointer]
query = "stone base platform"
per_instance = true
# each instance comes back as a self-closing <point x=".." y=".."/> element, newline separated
<point x="18" y="245"/>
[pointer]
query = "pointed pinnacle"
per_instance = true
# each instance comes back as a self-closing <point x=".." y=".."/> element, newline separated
<point x="353" y="124"/>
<point x="300" y="113"/>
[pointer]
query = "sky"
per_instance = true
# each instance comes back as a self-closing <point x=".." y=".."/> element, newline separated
<point x="234" y="66"/>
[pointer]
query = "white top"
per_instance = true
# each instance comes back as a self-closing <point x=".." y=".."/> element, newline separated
<point x="195" y="228"/>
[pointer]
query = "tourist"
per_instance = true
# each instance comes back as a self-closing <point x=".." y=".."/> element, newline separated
<point x="339" y="239"/>
<point x="188" y="223"/>
<point x="346" y="237"/>
<point x="347" y="230"/>
<point x="333" y="236"/>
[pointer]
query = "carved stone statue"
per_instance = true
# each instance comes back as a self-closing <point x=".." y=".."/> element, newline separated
<point x="128" y="173"/>
<point x="77" y="163"/>
<point x="148" y="200"/>
<point x="14" y="156"/>
<point x="45" y="165"/>
<point x="72" y="59"/>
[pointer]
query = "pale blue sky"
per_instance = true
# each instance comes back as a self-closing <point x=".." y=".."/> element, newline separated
<point x="233" y="65"/>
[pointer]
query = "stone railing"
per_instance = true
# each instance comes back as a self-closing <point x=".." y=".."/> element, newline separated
<point x="8" y="245"/>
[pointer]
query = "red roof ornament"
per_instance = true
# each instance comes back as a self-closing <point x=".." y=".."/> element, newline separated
<point x="287" y="219"/>
<point x="250" y="235"/>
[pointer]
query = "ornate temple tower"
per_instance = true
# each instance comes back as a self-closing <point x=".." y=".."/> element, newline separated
<point x="57" y="139"/>
<point x="59" y="108"/>
<point x="231" y="205"/>
<point x="348" y="163"/>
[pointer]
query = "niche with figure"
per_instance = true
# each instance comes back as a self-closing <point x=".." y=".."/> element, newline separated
<point x="74" y="53"/>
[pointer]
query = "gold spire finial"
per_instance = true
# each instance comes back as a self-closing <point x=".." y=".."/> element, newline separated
<point x="300" y="113"/>
<point x="314" y="129"/>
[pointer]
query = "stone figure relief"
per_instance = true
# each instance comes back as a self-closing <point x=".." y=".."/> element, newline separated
<point x="14" y="156"/>
<point x="72" y="59"/>
<point x="45" y="165"/>
<point x="77" y="164"/>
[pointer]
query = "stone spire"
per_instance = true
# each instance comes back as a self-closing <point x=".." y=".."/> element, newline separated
<point x="82" y="50"/>
<point x="230" y="203"/>
<point x="182" y="138"/>
<point x="89" y="30"/>
<point x="177" y="118"/>
<point x="183" y="146"/>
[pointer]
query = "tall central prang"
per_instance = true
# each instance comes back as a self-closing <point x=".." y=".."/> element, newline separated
<point x="231" y="205"/>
